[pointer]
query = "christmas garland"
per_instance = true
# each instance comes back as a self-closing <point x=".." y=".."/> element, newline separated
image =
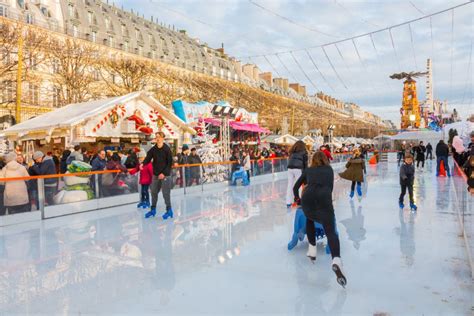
<point x="156" y="117"/>
<point x="114" y="117"/>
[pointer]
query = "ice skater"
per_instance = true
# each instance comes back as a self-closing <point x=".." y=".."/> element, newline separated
<point x="407" y="177"/>
<point x="162" y="159"/>
<point x="316" y="203"/>
<point x="355" y="172"/>
<point x="420" y="155"/>
<point x="146" y="176"/>
<point x="297" y="162"/>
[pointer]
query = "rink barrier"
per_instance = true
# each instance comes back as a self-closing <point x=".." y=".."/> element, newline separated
<point x="44" y="211"/>
<point x="464" y="207"/>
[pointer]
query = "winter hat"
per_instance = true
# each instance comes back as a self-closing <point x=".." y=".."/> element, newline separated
<point x="38" y="154"/>
<point x="10" y="157"/>
<point x="142" y="154"/>
<point x="185" y="147"/>
<point x="472" y="134"/>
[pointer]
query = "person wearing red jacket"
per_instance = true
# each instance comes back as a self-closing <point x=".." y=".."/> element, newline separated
<point x="146" y="176"/>
<point x="325" y="150"/>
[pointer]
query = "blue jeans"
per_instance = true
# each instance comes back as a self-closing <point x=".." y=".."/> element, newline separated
<point x="145" y="194"/>
<point x="445" y="162"/>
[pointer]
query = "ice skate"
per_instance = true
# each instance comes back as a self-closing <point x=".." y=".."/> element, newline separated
<point x="311" y="254"/>
<point x="151" y="213"/>
<point x="337" y="268"/>
<point x="168" y="214"/>
<point x="146" y="205"/>
<point x="413" y="207"/>
<point x="351" y="195"/>
<point x="293" y="242"/>
<point x="401" y="205"/>
<point x="140" y="205"/>
<point x="359" y="190"/>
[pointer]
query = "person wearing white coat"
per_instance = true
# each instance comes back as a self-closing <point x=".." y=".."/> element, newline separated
<point x="246" y="163"/>
<point x="16" y="192"/>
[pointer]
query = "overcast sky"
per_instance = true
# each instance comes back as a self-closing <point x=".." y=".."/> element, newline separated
<point x="247" y="29"/>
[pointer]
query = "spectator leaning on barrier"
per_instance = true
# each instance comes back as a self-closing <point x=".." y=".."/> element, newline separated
<point x="99" y="163"/>
<point x="15" y="195"/>
<point x="246" y="163"/>
<point x="45" y="166"/>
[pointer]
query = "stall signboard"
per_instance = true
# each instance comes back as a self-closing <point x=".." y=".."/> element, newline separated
<point x="191" y="113"/>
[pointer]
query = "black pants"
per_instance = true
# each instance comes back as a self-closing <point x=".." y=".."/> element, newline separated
<point x="422" y="163"/>
<point x="354" y="184"/>
<point x="404" y="191"/>
<point x="329" y="225"/>
<point x="430" y="154"/>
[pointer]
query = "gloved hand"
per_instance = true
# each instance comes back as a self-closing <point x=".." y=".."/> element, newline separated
<point x="297" y="201"/>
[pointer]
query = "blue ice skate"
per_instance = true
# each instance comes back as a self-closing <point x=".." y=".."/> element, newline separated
<point x="401" y="205"/>
<point x="168" y="213"/>
<point x="413" y="207"/>
<point x="351" y="195"/>
<point x="151" y="213"/>
<point x="240" y="174"/>
<point x="146" y="205"/>
<point x="140" y="205"/>
<point x="359" y="190"/>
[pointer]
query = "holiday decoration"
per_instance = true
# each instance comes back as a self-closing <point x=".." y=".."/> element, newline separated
<point x="209" y="152"/>
<point x="140" y="124"/>
<point x="114" y="115"/>
<point x="156" y="117"/>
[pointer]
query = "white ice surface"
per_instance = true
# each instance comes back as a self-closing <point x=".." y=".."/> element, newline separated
<point x="114" y="261"/>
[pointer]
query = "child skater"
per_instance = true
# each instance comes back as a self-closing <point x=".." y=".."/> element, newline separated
<point x="146" y="176"/>
<point x="355" y="172"/>
<point x="407" y="175"/>
<point x="316" y="203"/>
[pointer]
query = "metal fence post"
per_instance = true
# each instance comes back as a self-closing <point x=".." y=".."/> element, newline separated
<point x="96" y="180"/>
<point x="184" y="179"/>
<point x="41" y="196"/>
<point x="273" y="167"/>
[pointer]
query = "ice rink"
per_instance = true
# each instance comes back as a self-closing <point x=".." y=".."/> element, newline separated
<point x="225" y="253"/>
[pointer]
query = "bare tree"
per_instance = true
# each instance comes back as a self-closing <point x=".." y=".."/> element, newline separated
<point x="74" y="65"/>
<point x="32" y="46"/>
<point x="125" y="75"/>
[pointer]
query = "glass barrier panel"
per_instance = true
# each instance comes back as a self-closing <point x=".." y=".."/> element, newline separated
<point x="116" y="184"/>
<point x="216" y="173"/>
<point x="18" y="197"/>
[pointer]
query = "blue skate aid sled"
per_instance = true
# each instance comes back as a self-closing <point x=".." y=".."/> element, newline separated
<point x="240" y="174"/>
<point x="300" y="230"/>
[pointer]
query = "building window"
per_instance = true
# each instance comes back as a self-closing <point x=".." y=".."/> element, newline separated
<point x="29" y="18"/>
<point x="3" y="11"/>
<point x="56" y="97"/>
<point x="55" y="66"/>
<point x="125" y="46"/>
<point x="33" y="94"/>
<point x="111" y="41"/>
<point x="137" y="33"/>
<point x="6" y="95"/>
<point x="94" y="36"/>
<point x="21" y="3"/>
<point x="70" y="10"/>
<point x="140" y="50"/>
<point x="90" y="17"/>
<point x="75" y="31"/>
<point x="107" y="23"/>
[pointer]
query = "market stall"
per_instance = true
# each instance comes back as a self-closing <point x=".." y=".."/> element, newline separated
<point x="123" y="121"/>
<point x="244" y="128"/>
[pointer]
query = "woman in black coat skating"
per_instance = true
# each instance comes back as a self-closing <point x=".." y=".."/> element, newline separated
<point x="317" y="206"/>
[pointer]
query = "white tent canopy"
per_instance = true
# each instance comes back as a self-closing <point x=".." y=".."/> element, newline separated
<point x="425" y="136"/>
<point x="82" y="119"/>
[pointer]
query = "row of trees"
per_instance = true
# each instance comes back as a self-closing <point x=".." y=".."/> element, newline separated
<point x="71" y="70"/>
